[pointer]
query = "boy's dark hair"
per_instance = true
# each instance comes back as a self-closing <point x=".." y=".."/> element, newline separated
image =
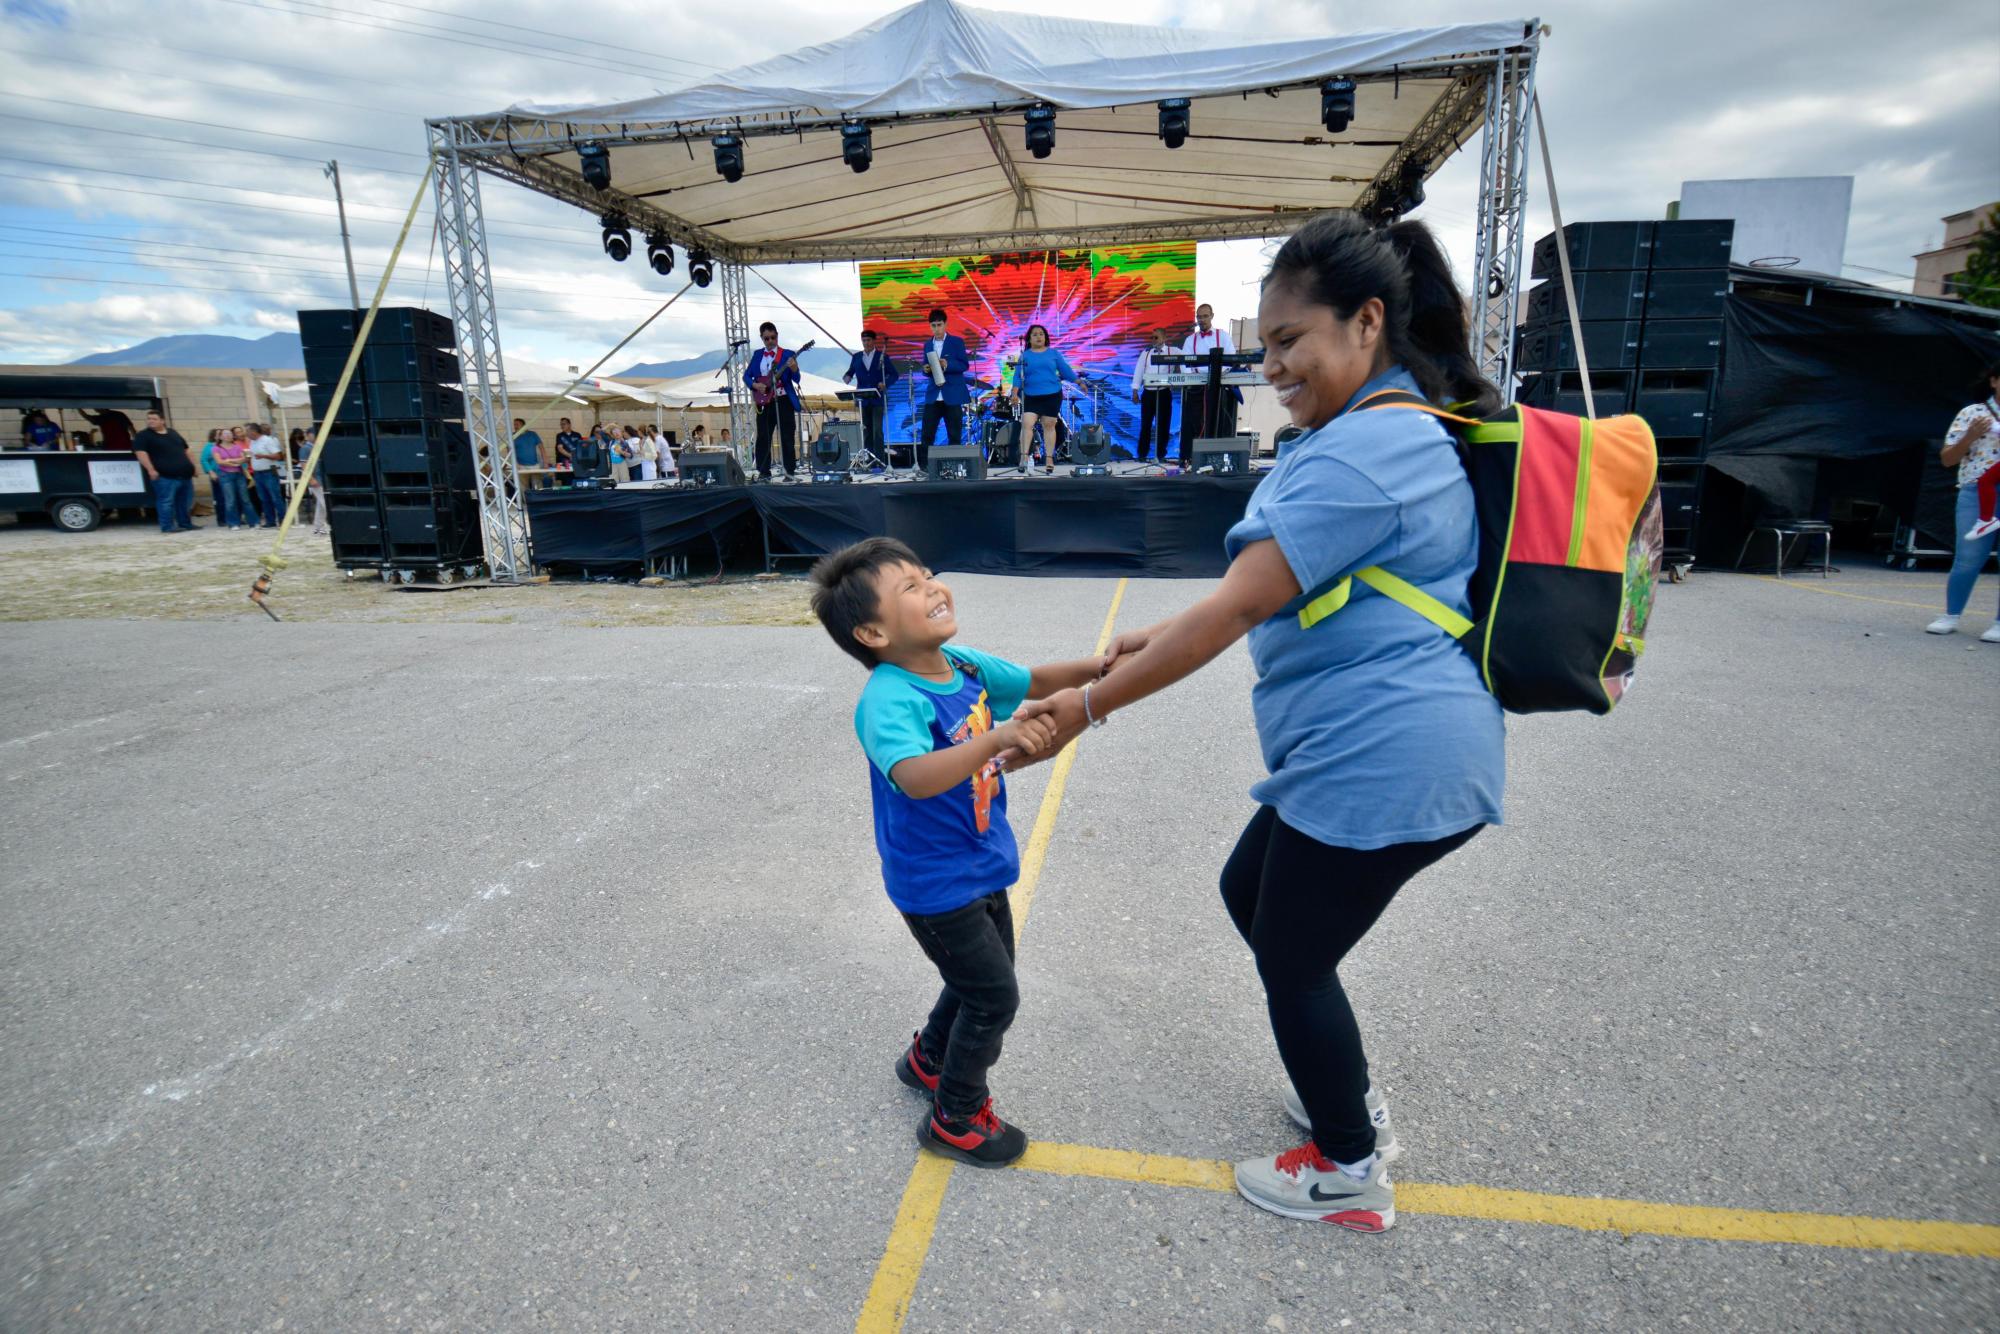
<point x="937" y="313"/>
<point x="843" y="595"/>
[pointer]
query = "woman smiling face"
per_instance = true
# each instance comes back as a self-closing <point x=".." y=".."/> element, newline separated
<point x="1312" y="357"/>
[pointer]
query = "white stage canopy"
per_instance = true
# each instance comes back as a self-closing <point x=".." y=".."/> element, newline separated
<point x="943" y="87"/>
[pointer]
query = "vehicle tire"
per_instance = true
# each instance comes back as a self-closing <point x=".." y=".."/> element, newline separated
<point x="75" y="514"/>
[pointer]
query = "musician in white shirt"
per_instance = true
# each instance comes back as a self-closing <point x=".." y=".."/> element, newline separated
<point x="1194" y="402"/>
<point x="1156" y="406"/>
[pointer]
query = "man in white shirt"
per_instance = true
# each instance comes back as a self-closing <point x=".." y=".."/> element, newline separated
<point x="1194" y="402"/>
<point x="265" y="452"/>
<point x="1156" y="406"/>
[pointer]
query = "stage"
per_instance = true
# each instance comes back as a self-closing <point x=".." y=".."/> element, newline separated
<point x="1154" y="526"/>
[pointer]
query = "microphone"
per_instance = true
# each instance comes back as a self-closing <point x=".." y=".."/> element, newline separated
<point x="740" y="342"/>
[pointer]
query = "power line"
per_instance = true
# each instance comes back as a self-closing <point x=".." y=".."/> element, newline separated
<point x="212" y="125"/>
<point x="47" y="58"/>
<point x="544" y="32"/>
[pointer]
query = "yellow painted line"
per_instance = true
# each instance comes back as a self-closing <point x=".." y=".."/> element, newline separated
<point x="1804" y="587"/>
<point x="895" y="1281"/>
<point x="1704" y="1222"/>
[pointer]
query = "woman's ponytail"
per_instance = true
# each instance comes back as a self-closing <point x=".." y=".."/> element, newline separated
<point x="1340" y="260"/>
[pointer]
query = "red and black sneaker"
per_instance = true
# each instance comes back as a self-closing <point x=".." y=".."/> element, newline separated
<point x="913" y="1069"/>
<point x="982" y="1139"/>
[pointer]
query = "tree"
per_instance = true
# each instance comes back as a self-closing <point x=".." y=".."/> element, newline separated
<point x="1979" y="284"/>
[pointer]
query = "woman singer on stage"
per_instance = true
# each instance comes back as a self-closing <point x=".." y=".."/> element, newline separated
<point x="1043" y="370"/>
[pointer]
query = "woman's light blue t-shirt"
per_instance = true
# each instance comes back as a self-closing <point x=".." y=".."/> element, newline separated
<point x="1043" y="372"/>
<point x="1374" y="724"/>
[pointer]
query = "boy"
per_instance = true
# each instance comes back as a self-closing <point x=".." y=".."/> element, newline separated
<point x="932" y="720"/>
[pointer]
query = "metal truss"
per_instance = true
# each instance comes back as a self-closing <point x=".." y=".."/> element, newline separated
<point x="469" y="281"/>
<point x="736" y="328"/>
<point x="1503" y="205"/>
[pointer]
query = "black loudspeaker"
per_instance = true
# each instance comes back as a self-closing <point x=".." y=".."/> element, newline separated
<point x="1676" y="405"/>
<point x="1562" y="391"/>
<point x="347" y="459"/>
<point x="427" y="455"/>
<point x="353" y="408"/>
<point x="1693" y="344"/>
<point x="393" y="324"/>
<point x="1686" y="294"/>
<point x="1597" y="245"/>
<point x="406" y="361"/>
<point x="432" y="528"/>
<point x="1608" y="344"/>
<point x="1223" y="455"/>
<point x="1600" y="295"/>
<point x="956" y="463"/>
<point x="711" y="467"/>
<point x="356" y="521"/>
<point x="1693" y="243"/>
<point x="324" y="365"/>
<point x="413" y="398"/>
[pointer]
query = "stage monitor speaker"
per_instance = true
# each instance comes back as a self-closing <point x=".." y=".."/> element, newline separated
<point x="1090" y="444"/>
<point x="711" y="467"/>
<point x="956" y="463"/>
<point x="1223" y="455"/>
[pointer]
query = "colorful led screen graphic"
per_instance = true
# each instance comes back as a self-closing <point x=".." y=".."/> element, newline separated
<point x="1099" y="306"/>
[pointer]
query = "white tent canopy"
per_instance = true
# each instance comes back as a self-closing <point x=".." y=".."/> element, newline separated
<point x="943" y="87"/>
<point x="708" y="389"/>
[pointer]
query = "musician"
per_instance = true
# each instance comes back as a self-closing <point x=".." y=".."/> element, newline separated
<point x="945" y="358"/>
<point x="1156" y="406"/>
<point x="781" y="414"/>
<point x="1194" y="401"/>
<point x="872" y="368"/>
<point x="1043" y="370"/>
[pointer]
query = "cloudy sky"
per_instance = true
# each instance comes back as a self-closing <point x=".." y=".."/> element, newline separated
<point x="161" y="170"/>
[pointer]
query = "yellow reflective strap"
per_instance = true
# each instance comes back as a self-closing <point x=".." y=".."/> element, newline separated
<point x="1418" y="601"/>
<point x="1325" y="605"/>
<point x="1632" y="644"/>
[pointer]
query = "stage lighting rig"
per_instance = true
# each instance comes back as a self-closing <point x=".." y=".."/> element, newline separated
<point x="1336" y="104"/>
<point x="857" y="147"/>
<point x="701" y="268"/>
<point x="659" y="253"/>
<point x="728" y="157"/>
<point x="595" y="160"/>
<point x="1041" y="130"/>
<point x="617" y="238"/>
<point x="1410" y="188"/>
<point x="1174" y="121"/>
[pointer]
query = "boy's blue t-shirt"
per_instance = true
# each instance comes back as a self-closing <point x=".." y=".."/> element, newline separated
<point x="942" y="852"/>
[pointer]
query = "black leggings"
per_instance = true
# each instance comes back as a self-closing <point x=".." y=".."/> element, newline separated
<point x="973" y="948"/>
<point x="1302" y="905"/>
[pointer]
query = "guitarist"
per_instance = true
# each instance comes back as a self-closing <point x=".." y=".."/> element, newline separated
<point x="773" y="377"/>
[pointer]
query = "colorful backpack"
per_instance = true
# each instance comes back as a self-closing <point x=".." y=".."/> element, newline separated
<point x="1570" y="539"/>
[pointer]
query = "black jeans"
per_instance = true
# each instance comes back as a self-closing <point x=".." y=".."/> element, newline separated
<point x="1156" y="417"/>
<point x="973" y="948"/>
<point x="1302" y="905"/>
<point x="777" y="415"/>
<point x="871" y="426"/>
<point x="953" y="418"/>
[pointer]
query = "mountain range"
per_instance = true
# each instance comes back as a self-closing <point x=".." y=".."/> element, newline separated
<point x="280" y="351"/>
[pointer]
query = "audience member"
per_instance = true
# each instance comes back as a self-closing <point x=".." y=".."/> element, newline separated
<point x="265" y="456"/>
<point x="164" y="455"/>
<point x="232" y="454"/>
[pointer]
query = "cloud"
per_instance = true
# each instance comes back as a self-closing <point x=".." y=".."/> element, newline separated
<point x="64" y="331"/>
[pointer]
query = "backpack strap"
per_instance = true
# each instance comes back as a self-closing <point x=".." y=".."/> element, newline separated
<point x="1403" y="398"/>
<point x="1390" y="586"/>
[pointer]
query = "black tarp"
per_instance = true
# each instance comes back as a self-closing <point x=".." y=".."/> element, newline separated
<point x="1846" y="400"/>
<point x="1157" y="527"/>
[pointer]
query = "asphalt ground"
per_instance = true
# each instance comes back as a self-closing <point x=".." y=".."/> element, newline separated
<point x="361" y="976"/>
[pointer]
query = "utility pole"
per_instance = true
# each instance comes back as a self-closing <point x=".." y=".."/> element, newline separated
<point x="347" y="245"/>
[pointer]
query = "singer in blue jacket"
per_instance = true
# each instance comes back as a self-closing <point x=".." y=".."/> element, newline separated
<point x="782" y="412"/>
<point x="943" y="402"/>
<point x="871" y="368"/>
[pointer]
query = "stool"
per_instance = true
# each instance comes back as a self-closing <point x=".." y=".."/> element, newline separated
<point x="1786" y="533"/>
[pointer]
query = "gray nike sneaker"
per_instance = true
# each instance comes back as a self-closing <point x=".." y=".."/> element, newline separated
<point x="1300" y="1183"/>
<point x="1387" y="1147"/>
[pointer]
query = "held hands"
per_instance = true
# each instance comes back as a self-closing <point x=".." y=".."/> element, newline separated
<point x="1061" y="714"/>
<point x="1127" y="643"/>
<point x="1023" y="739"/>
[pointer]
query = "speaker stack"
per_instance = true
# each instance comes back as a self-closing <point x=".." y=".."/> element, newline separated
<point x="401" y="490"/>
<point x="1649" y="296"/>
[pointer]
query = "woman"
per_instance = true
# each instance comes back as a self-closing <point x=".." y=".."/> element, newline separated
<point x="208" y="470"/>
<point x="1385" y="752"/>
<point x="1973" y="446"/>
<point x="231" y="453"/>
<point x="38" y="432"/>
<point x="1043" y="370"/>
<point x="302" y="446"/>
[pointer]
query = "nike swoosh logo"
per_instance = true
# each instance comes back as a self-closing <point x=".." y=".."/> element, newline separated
<point x="1321" y="1197"/>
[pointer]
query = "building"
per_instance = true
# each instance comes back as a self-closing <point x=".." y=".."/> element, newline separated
<point x="1937" y="269"/>
<point x="1785" y="222"/>
<point x="197" y="399"/>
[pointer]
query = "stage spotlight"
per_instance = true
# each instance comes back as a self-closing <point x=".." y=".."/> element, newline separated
<point x="1041" y="130"/>
<point x="659" y="253"/>
<point x="1410" y="188"/>
<point x="857" y="147"/>
<point x="1174" y="121"/>
<point x="617" y="237"/>
<point x="701" y="268"/>
<point x="595" y="159"/>
<point x="1336" y="104"/>
<point x="728" y="157"/>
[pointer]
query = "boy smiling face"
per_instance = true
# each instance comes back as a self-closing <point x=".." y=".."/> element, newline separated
<point x="913" y="612"/>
